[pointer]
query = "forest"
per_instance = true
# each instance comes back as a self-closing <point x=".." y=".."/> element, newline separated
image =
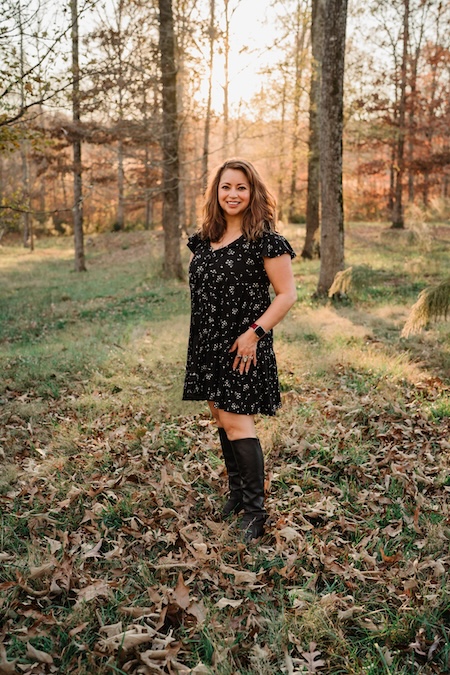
<point x="113" y="554"/>
<point x="100" y="86"/>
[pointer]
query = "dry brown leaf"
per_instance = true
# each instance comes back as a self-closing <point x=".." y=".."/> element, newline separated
<point x="198" y="610"/>
<point x="349" y="613"/>
<point x="200" y="669"/>
<point x="228" y="602"/>
<point x="133" y="637"/>
<point x="312" y="658"/>
<point x="137" y="612"/>
<point x="38" y="655"/>
<point x="97" y="589"/>
<point x="78" y="629"/>
<point x="42" y="570"/>
<point x="240" y="576"/>
<point x="181" y="593"/>
<point x="6" y="667"/>
<point x="289" y="533"/>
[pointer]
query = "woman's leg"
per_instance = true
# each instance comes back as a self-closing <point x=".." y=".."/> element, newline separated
<point x="241" y="432"/>
<point x="234" y="502"/>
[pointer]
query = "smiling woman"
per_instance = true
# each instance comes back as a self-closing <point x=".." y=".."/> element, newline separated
<point x="236" y="256"/>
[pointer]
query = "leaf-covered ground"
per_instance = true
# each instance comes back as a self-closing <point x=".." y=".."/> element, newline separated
<point x="113" y="557"/>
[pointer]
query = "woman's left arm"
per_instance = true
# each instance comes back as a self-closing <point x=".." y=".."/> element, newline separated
<point x="279" y="271"/>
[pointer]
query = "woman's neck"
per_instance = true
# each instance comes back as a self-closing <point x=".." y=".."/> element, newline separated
<point x="234" y="225"/>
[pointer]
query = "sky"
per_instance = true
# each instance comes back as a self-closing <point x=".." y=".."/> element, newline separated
<point x="252" y="41"/>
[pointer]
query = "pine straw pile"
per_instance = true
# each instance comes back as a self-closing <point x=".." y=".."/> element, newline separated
<point x="114" y="559"/>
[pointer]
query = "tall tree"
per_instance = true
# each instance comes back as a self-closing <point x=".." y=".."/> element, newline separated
<point x="398" y="221"/>
<point x="313" y="190"/>
<point x="80" y="265"/>
<point x="27" y="226"/>
<point x="301" y="26"/>
<point x="171" y="225"/>
<point x="212" y="36"/>
<point x="331" y="126"/>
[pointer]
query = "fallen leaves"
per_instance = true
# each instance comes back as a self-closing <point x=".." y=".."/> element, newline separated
<point x="130" y="555"/>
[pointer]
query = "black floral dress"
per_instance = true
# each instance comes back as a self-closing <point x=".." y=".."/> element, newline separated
<point x="230" y="291"/>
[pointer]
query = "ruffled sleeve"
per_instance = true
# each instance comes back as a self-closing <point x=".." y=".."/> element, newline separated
<point x="194" y="242"/>
<point x="274" y="245"/>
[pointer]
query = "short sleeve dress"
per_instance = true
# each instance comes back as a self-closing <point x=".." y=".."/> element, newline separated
<point x="230" y="291"/>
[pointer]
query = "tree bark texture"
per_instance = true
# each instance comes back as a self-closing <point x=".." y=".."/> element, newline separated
<point x="313" y="189"/>
<point x="398" y="221"/>
<point x="172" y="267"/>
<point x="27" y="229"/>
<point x="331" y="125"/>
<point x="205" y="155"/>
<point x="300" y="36"/>
<point x="80" y="264"/>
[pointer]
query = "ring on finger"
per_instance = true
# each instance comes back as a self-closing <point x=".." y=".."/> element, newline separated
<point x="245" y="359"/>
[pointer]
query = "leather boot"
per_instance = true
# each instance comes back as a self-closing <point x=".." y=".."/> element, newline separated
<point x="250" y="460"/>
<point x="234" y="503"/>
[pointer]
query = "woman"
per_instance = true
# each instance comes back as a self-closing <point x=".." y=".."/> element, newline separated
<point x="236" y="256"/>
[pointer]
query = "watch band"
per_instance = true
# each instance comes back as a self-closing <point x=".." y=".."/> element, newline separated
<point x="259" y="330"/>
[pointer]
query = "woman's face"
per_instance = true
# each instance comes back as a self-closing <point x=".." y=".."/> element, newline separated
<point x="233" y="192"/>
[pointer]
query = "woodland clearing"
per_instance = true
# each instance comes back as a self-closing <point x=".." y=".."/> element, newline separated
<point x="112" y="555"/>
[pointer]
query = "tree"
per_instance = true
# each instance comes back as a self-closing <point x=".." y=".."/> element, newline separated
<point x="80" y="265"/>
<point x="211" y="35"/>
<point x="397" y="211"/>
<point x="172" y="257"/>
<point x="331" y="126"/>
<point x="301" y="25"/>
<point x="313" y="191"/>
<point x="28" y="238"/>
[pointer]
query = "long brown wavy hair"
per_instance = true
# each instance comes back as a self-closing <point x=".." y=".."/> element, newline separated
<point x="259" y="216"/>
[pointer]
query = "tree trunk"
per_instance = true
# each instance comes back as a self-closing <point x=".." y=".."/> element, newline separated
<point x="205" y="155"/>
<point x="331" y="125"/>
<point x="282" y="169"/>
<point x="80" y="265"/>
<point x="120" y="214"/>
<point x="172" y="267"/>
<point x="313" y="193"/>
<point x="299" y="55"/>
<point x="147" y="190"/>
<point x="398" y="221"/>
<point x="27" y="232"/>
<point x="226" y="85"/>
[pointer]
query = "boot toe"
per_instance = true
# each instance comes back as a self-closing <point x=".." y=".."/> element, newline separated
<point x="252" y="525"/>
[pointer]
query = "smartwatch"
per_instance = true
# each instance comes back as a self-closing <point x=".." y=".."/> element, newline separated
<point x="259" y="330"/>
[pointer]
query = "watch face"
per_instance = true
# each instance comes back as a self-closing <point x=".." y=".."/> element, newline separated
<point x="260" y="332"/>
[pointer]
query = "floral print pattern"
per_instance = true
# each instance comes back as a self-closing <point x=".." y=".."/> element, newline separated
<point x="230" y="291"/>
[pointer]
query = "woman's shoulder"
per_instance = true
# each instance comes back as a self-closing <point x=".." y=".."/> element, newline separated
<point x="195" y="241"/>
<point x="273" y="244"/>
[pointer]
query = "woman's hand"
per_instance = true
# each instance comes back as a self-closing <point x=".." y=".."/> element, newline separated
<point x="245" y="348"/>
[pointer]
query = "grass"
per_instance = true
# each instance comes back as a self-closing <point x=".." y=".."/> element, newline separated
<point x="111" y="486"/>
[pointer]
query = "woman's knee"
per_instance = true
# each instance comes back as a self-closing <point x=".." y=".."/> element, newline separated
<point x="237" y="426"/>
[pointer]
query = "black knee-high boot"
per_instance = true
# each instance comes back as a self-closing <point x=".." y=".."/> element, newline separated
<point x="234" y="503"/>
<point x="250" y="460"/>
